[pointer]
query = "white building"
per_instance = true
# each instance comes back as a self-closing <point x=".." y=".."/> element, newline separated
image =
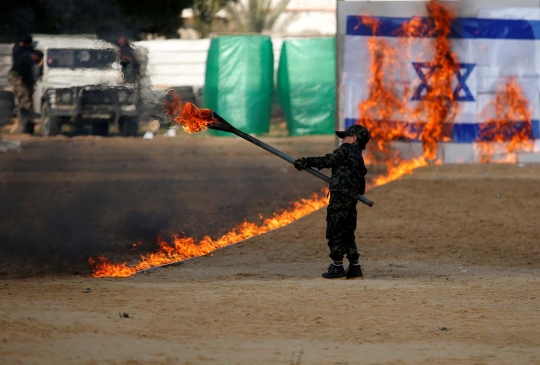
<point x="310" y="17"/>
<point x="301" y="18"/>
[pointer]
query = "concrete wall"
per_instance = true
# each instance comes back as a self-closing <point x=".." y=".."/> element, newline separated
<point x="178" y="62"/>
<point x="5" y="64"/>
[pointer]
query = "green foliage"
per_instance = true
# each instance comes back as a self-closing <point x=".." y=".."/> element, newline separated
<point x="257" y="17"/>
<point x="107" y="18"/>
<point x="154" y="16"/>
<point x="204" y="12"/>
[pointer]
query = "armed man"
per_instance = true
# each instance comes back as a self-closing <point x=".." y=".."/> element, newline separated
<point x="21" y="78"/>
<point x="24" y="46"/>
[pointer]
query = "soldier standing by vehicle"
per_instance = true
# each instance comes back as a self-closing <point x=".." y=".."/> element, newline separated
<point x="348" y="180"/>
<point x="128" y="60"/>
<point x="21" y="78"/>
<point x="25" y="45"/>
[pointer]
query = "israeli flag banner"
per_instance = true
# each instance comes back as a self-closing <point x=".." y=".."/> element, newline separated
<point x="489" y="50"/>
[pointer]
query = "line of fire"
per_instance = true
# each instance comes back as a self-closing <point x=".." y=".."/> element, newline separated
<point x="387" y="102"/>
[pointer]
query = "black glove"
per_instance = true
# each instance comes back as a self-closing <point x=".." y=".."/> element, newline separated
<point x="301" y="164"/>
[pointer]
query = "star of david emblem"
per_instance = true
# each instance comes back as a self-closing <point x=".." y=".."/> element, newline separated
<point x="461" y="92"/>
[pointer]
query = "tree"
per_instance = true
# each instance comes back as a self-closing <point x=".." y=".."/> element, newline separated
<point x="160" y="17"/>
<point x="17" y="17"/>
<point x="204" y="12"/>
<point x="258" y="16"/>
<point x="106" y="18"/>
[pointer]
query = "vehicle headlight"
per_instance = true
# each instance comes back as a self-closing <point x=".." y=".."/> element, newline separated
<point x="64" y="96"/>
<point x="123" y="96"/>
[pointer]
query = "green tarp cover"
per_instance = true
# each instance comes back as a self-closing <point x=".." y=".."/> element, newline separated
<point x="307" y="85"/>
<point x="240" y="81"/>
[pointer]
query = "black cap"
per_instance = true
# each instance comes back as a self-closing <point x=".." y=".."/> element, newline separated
<point x="27" y="39"/>
<point x="357" y="130"/>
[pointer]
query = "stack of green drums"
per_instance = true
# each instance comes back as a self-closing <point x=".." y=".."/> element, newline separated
<point x="240" y="81"/>
<point x="306" y="85"/>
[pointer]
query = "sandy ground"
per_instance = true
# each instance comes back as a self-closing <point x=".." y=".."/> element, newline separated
<point x="451" y="257"/>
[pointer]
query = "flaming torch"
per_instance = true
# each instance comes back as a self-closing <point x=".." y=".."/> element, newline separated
<point x="193" y="120"/>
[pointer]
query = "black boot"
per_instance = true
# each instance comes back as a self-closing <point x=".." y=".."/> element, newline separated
<point x="335" y="272"/>
<point x="354" y="271"/>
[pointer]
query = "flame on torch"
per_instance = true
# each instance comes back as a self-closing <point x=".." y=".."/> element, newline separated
<point x="191" y="118"/>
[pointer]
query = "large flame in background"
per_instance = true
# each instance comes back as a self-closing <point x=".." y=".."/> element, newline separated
<point x="508" y="116"/>
<point x="439" y="105"/>
<point x="389" y="92"/>
<point x="387" y="100"/>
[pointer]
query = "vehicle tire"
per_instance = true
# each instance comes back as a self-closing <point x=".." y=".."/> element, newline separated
<point x="128" y="126"/>
<point x="100" y="128"/>
<point x="26" y="125"/>
<point x="7" y="105"/>
<point x="186" y="93"/>
<point x="50" y="126"/>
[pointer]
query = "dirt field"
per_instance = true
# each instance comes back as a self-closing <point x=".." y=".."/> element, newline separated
<point x="451" y="256"/>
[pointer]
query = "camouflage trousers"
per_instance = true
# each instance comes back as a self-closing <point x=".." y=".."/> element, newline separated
<point x="340" y="226"/>
<point x="23" y="94"/>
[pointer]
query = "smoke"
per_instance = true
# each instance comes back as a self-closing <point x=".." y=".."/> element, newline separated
<point x="62" y="232"/>
<point x="52" y="217"/>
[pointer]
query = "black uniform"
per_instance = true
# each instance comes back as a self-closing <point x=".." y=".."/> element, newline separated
<point x="19" y="50"/>
<point x="130" y="65"/>
<point x="348" y="180"/>
<point x="23" y="66"/>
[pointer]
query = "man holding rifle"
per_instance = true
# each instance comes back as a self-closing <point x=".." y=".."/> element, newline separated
<point x="348" y="180"/>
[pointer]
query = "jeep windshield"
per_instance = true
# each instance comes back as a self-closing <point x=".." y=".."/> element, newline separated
<point x="81" y="58"/>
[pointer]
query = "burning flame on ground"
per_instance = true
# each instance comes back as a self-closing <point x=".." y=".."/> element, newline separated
<point x="396" y="172"/>
<point x="185" y="247"/>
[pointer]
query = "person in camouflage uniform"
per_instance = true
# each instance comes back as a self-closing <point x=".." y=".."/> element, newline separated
<point x="21" y="79"/>
<point x="22" y="91"/>
<point x="347" y="181"/>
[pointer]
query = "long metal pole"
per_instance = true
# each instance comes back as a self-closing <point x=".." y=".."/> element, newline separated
<point x="290" y="159"/>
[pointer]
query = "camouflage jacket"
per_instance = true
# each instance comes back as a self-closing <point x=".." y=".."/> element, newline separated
<point x="348" y="169"/>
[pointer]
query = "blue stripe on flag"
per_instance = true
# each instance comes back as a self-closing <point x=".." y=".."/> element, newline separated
<point x="464" y="28"/>
<point x="461" y="133"/>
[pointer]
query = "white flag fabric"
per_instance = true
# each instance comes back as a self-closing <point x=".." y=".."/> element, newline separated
<point x="496" y="44"/>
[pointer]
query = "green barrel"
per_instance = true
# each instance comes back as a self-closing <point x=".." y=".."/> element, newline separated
<point x="240" y="81"/>
<point x="307" y="85"/>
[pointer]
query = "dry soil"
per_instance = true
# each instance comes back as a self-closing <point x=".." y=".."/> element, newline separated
<point x="451" y="256"/>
